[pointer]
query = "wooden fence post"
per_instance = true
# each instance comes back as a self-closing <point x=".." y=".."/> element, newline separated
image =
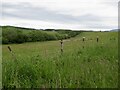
<point x="83" y="39"/>
<point x="61" y="42"/>
<point x="13" y="55"/>
<point x="97" y="38"/>
<point x="16" y="65"/>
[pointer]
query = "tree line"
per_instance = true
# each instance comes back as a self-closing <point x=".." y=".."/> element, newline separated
<point x="11" y="34"/>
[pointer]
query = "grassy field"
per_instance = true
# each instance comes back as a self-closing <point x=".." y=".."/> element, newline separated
<point x="41" y="64"/>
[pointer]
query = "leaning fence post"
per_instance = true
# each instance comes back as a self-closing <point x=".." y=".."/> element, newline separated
<point x="15" y="61"/>
<point x="61" y="42"/>
<point x="13" y="55"/>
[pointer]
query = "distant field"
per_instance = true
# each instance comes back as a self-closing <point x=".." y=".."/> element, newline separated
<point x="40" y="64"/>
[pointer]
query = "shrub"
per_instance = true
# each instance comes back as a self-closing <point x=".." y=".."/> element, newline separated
<point x="21" y="35"/>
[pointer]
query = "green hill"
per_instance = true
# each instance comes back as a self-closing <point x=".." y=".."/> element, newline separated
<point x="11" y="34"/>
<point x="88" y="64"/>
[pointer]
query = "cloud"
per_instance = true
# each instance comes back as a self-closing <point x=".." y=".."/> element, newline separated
<point x="86" y="14"/>
<point x="27" y="11"/>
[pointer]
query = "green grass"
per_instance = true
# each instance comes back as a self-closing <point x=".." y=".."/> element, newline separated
<point x="40" y="64"/>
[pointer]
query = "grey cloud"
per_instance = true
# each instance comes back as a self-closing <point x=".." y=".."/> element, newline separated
<point x="111" y="3"/>
<point x="101" y="26"/>
<point x="97" y="26"/>
<point x="27" y="11"/>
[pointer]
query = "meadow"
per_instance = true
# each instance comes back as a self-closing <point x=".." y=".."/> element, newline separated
<point x="88" y="64"/>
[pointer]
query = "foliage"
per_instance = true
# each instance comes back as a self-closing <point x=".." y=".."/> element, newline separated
<point x="12" y="34"/>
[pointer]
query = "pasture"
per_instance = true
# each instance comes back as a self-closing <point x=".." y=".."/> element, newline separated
<point x="88" y="64"/>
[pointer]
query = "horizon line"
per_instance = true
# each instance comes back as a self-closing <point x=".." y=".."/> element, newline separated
<point x="60" y="28"/>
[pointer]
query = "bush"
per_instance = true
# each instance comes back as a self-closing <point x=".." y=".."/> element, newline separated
<point x="5" y="40"/>
<point x="21" y="35"/>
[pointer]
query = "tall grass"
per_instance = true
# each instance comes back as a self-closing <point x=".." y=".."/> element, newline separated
<point x="42" y="65"/>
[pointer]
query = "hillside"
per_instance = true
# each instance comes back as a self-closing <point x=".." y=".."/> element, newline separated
<point x="11" y="34"/>
<point x="88" y="64"/>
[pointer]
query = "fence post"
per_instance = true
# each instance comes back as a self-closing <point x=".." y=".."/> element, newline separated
<point x="83" y="39"/>
<point x="16" y="63"/>
<point x="61" y="42"/>
<point x="97" y="38"/>
<point x="13" y="55"/>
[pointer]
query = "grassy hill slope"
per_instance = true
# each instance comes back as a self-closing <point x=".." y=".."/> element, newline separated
<point x="88" y="64"/>
<point x="11" y="34"/>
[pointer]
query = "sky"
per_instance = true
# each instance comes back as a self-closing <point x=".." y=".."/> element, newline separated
<point x="60" y="14"/>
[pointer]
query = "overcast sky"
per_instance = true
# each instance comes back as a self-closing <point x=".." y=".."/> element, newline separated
<point x="61" y="14"/>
